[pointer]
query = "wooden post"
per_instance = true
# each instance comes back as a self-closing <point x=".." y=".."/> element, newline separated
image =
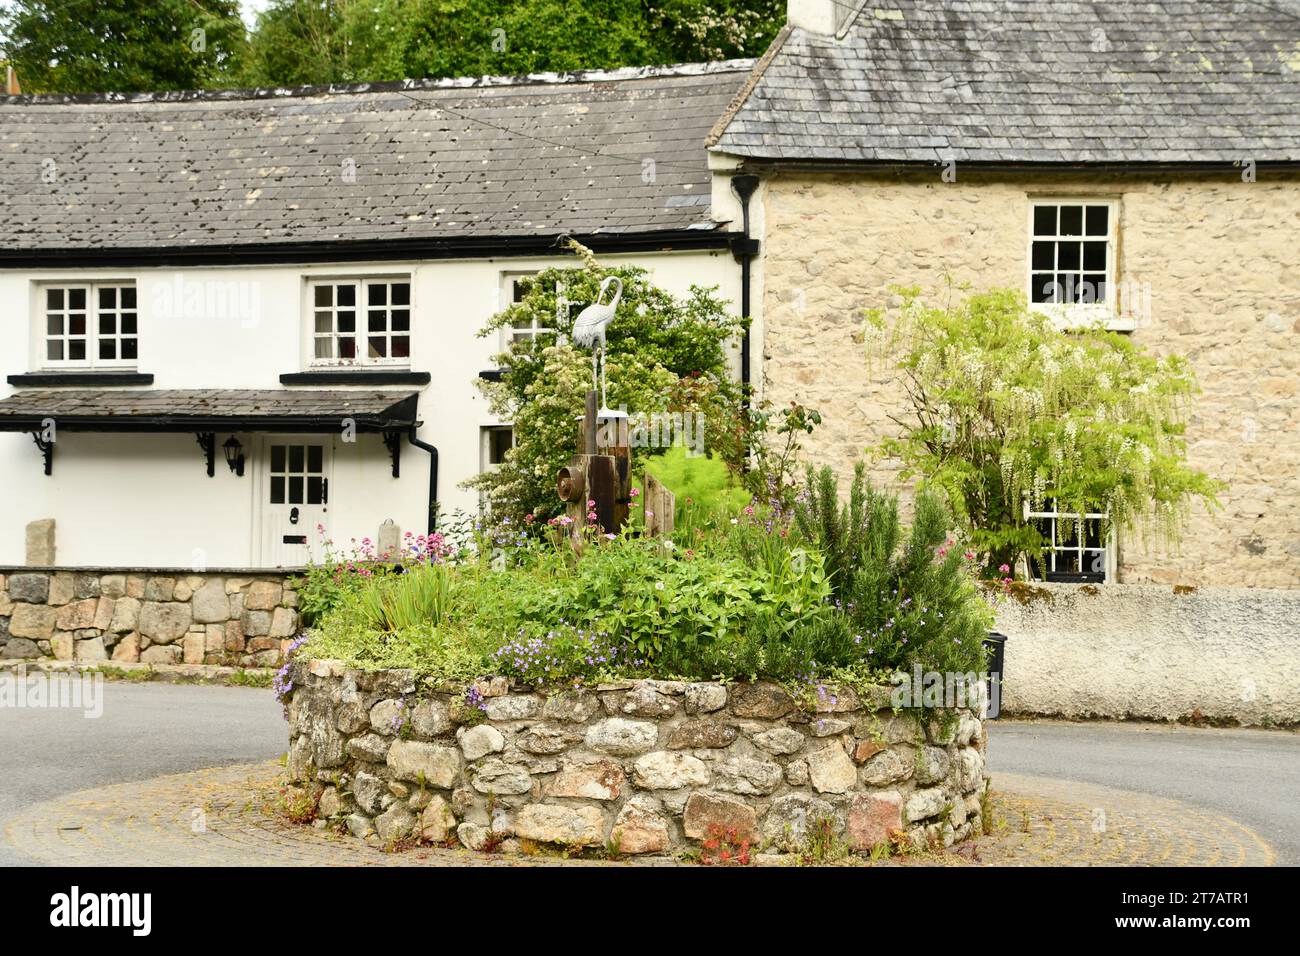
<point x="660" y="506"/>
<point x="602" y="473"/>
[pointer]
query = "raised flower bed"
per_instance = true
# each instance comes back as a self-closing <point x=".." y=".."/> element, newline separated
<point x="633" y="767"/>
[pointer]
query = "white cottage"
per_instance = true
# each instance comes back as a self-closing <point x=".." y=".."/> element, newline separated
<point x="230" y="318"/>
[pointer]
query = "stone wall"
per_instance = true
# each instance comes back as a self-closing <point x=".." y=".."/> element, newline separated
<point x="1217" y="254"/>
<point x="648" y="766"/>
<point x="1153" y="652"/>
<point x="153" y="618"/>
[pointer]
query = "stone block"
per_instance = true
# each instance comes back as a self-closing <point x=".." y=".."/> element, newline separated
<point x="113" y="586"/>
<point x="194" y="647"/>
<point x="159" y="589"/>
<point x="705" y="811"/>
<point x="161" y="654"/>
<point x="30" y="588"/>
<point x="33" y="621"/>
<point x="565" y="825"/>
<point x="163" y="623"/>
<point x="262" y="596"/>
<point x="127" y="649"/>
<point x="40" y="543"/>
<point x="210" y="604"/>
<point x="413" y="760"/>
<point x="76" y="615"/>
<point x="62" y="588"/>
<point x="591" y="780"/>
<point x="91" y="649"/>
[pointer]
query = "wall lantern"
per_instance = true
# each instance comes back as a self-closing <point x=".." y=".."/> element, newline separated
<point x="234" y="455"/>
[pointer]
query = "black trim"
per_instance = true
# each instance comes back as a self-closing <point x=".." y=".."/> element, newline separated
<point x="208" y="442"/>
<point x="492" y="374"/>
<point x="353" y="250"/>
<point x="47" y="451"/>
<point x="393" y="442"/>
<point x="433" y="478"/>
<point x="1137" y="167"/>
<point x="370" y="376"/>
<point x="30" y="379"/>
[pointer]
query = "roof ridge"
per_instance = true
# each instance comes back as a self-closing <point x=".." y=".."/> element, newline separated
<point x="756" y="74"/>
<point x="617" y="74"/>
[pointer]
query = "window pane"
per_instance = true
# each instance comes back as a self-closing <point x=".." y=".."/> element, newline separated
<point x="129" y="349"/>
<point x="347" y="348"/>
<point x="324" y="295"/>
<point x="378" y="321"/>
<point x="324" y="348"/>
<point x="315" y="458"/>
<point x="295" y="489"/>
<point x="128" y="323"/>
<point x="76" y="298"/>
<point x="1094" y="256"/>
<point x="315" y="492"/>
<point x="377" y="293"/>
<point x="108" y="348"/>
<point x="518" y="290"/>
<point x="107" y="297"/>
<point x="378" y="347"/>
<point x="277" y="490"/>
<point x="107" y="323"/>
<point x="347" y="322"/>
<point x="1097" y="217"/>
<point x="77" y="324"/>
<point x="1041" y="287"/>
<point x="295" y="458"/>
<point x="401" y="346"/>
<point x="1044" y="220"/>
<point x="1095" y="283"/>
<point x="128" y="297"/>
<point x="77" y="350"/>
<point x="347" y="295"/>
<point x="1068" y="255"/>
<point x="54" y="351"/>
<point x="1043" y="255"/>
<point x="324" y="323"/>
<point x="401" y="320"/>
<point x="54" y="298"/>
<point x="54" y="325"/>
<point x="277" y="458"/>
<point x="401" y="293"/>
<point x="1071" y="220"/>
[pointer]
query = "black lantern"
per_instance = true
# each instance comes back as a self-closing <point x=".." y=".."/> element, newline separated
<point x="234" y="455"/>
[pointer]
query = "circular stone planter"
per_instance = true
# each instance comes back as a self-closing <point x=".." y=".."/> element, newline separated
<point x="644" y="766"/>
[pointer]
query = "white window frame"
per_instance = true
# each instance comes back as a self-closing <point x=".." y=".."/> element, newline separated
<point x="1051" y="550"/>
<point x="92" y="336"/>
<point x="360" y="334"/>
<point x="512" y="334"/>
<point x="485" y="444"/>
<point x="1077" y="314"/>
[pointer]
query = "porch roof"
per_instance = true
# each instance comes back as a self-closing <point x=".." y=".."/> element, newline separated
<point x="212" y="409"/>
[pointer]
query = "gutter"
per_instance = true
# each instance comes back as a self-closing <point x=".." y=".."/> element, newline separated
<point x="744" y="247"/>
<point x="433" y="478"/>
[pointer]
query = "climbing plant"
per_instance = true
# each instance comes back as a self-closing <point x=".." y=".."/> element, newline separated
<point x="1003" y="408"/>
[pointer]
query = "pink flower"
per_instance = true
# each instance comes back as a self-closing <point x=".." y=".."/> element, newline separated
<point x="591" y="502"/>
<point x="970" y="555"/>
<point x="1004" y="568"/>
<point x="636" y="492"/>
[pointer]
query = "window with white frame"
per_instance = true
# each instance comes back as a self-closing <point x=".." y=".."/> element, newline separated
<point x="90" y="325"/>
<point x="494" y="442"/>
<point x="1072" y="259"/>
<point x="362" y="321"/>
<point x="1077" y="548"/>
<point x="512" y="292"/>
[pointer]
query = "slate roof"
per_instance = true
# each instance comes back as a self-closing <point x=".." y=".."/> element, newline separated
<point x="1031" y="81"/>
<point x="548" y="154"/>
<point x="197" y="409"/>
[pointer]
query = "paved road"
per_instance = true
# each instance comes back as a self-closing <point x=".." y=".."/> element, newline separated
<point x="1252" y="776"/>
<point x="144" y="731"/>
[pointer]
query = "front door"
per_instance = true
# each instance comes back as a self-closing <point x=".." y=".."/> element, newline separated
<point x="295" y="501"/>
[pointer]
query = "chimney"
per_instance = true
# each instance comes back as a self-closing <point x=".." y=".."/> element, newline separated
<point x="11" y="83"/>
<point x="827" y="17"/>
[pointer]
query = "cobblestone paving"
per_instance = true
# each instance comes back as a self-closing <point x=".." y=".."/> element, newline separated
<point x="226" y="817"/>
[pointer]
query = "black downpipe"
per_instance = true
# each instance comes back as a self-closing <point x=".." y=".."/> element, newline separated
<point x="433" y="478"/>
<point x="744" y="250"/>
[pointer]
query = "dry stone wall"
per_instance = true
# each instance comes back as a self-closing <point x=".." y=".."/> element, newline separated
<point x="649" y="767"/>
<point x="151" y="618"/>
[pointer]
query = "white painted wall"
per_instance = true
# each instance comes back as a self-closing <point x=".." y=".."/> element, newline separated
<point x="133" y="500"/>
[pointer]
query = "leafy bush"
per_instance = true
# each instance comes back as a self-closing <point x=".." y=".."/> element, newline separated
<point x="1007" y="409"/>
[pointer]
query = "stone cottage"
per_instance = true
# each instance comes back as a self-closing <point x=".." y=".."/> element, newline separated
<point x="898" y="142"/>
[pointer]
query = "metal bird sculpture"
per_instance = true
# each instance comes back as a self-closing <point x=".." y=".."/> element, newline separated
<point x="589" y="329"/>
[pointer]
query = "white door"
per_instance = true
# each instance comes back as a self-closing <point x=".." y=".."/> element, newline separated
<point x="295" y="500"/>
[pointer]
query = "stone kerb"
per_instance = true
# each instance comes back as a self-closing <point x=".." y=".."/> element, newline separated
<point x="642" y="767"/>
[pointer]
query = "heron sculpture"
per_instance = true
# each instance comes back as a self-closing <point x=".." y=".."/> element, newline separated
<point x="589" y="329"/>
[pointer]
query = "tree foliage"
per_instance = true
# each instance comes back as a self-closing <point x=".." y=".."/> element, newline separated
<point x="1004" y="409"/>
<point x="663" y="354"/>
<point x="126" y="45"/>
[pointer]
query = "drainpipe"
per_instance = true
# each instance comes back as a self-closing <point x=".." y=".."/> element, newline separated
<point x="433" y="478"/>
<point x="744" y="248"/>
